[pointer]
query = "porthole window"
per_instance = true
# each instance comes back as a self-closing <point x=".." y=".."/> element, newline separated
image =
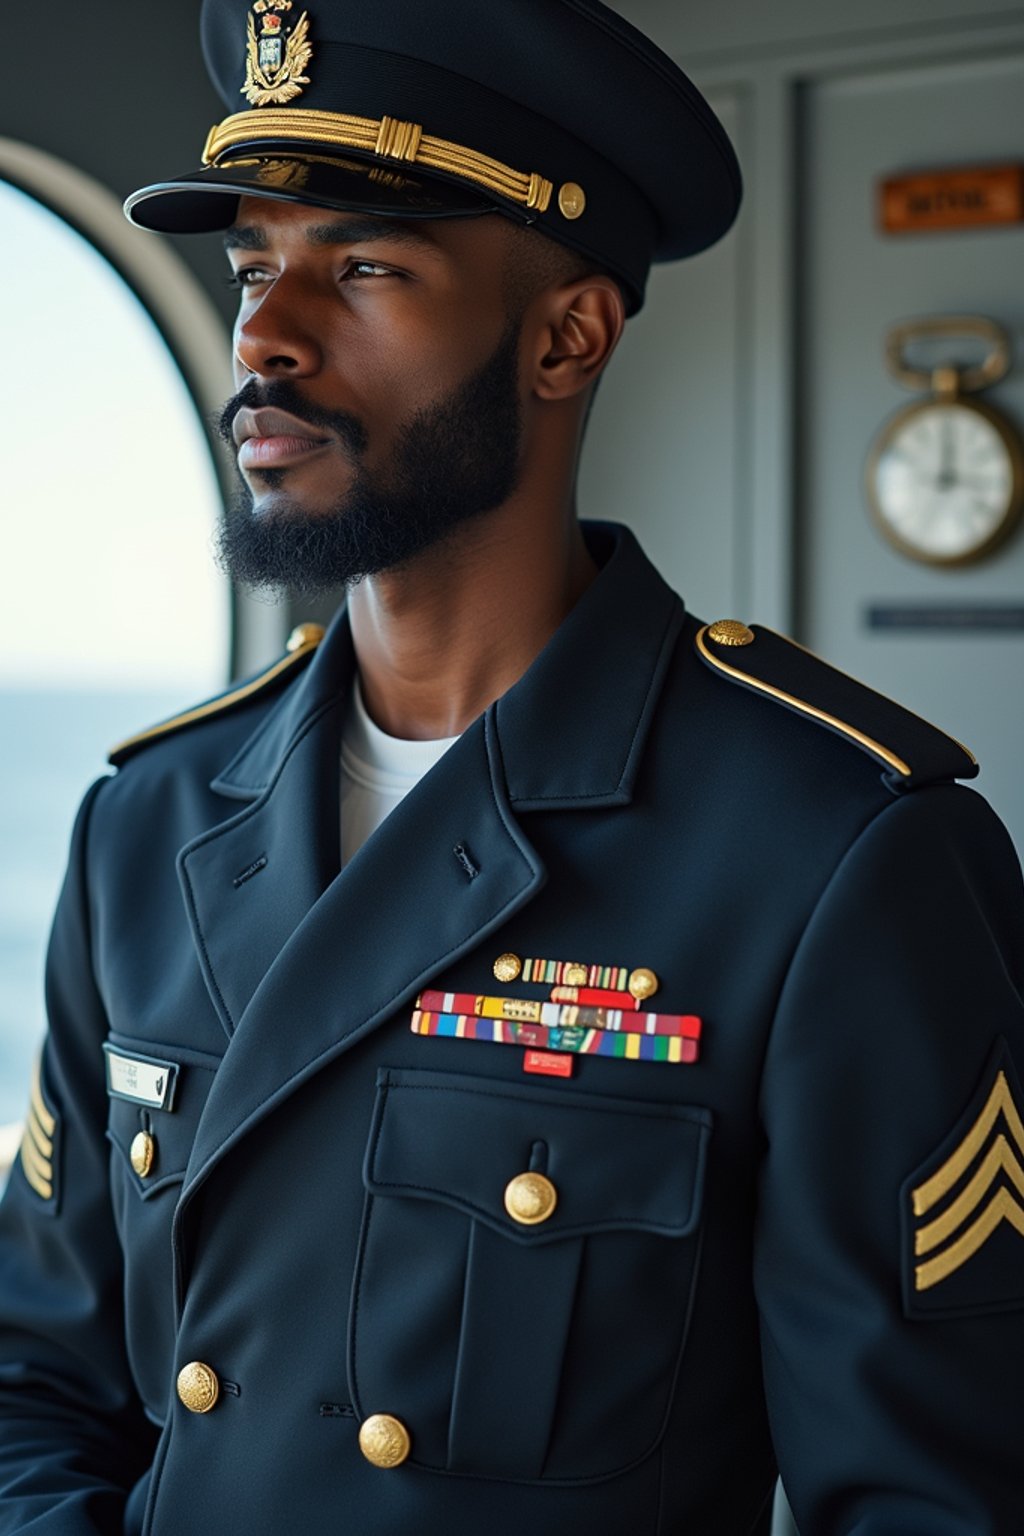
<point x="113" y="612"/>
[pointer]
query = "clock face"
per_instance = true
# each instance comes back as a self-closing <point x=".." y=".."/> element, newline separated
<point x="944" y="481"/>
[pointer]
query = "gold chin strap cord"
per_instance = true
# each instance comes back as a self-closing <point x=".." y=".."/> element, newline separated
<point x="388" y="137"/>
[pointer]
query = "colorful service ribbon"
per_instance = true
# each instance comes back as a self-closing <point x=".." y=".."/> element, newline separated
<point x="559" y="1015"/>
<point x="568" y="973"/>
<point x="677" y="1048"/>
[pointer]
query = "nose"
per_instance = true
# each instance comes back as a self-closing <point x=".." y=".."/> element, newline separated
<point x="272" y="338"/>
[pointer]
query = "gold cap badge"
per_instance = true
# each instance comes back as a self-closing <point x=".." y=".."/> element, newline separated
<point x="277" y="54"/>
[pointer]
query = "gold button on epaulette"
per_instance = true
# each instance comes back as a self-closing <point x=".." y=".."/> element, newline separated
<point x="143" y="1154"/>
<point x="530" y="1198"/>
<point x="198" y="1387"/>
<point x="303" y="636"/>
<point x="384" y="1441"/>
<point x="730" y="632"/>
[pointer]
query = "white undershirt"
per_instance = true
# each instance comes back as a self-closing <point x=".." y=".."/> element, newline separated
<point x="377" y="772"/>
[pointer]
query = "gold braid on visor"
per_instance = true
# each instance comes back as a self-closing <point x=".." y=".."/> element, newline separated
<point x="386" y="137"/>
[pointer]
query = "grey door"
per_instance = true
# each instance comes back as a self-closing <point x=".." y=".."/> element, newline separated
<point x="854" y="282"/>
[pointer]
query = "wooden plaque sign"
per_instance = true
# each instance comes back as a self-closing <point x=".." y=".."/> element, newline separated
<point x="957" y="199"/>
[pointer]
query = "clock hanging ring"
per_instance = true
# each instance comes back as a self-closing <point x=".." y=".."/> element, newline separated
<point x="945" y="476"/>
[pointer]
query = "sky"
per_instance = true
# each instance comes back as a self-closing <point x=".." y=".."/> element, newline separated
<point x="108" y="496"/>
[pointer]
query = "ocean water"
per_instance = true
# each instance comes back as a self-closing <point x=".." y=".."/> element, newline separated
<point x="52" y="746"/>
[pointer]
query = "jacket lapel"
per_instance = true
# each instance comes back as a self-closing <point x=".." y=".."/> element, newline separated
<point x="403" y="908"/>
<point x="250" y="881"/>
<point x="335" y="961"/>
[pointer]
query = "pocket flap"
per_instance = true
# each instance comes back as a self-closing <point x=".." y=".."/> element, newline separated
<point x="616" y="1164"/>
<point x="172" y="1125"/>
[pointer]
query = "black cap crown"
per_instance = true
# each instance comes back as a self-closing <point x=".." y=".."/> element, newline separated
<point x="555" y="113"/>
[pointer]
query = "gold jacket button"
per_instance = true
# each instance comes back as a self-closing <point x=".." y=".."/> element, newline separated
<point x="731" y="632"/>
<point x="198" y="1387"/>
<point x="304" y="635"/>
<point x="530" y="1198"/>
<point x="143" y="1154"/>
<point x="384" y="1440"/>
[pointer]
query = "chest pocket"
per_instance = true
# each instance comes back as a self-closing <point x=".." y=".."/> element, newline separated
<point x="545" y="1351"/>
<point x="144" y="1204"/>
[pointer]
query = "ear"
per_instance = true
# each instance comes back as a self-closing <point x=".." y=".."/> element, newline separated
<point x="576" y="336"/>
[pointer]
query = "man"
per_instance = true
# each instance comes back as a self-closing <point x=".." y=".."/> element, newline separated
<point x="530" y="1062"/>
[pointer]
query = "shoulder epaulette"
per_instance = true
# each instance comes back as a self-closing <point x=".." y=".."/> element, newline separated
<point x="302" y="643"/>
<point x="909" y="749"/>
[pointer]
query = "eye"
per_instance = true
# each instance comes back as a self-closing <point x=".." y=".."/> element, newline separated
<point x="248" y="277"/>
<point x="368" y="269"/>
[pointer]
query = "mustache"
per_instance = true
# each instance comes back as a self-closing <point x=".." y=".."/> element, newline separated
<point x="282" y="395"/>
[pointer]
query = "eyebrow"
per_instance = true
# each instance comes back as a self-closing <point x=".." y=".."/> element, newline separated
<point x="252" y="237"/>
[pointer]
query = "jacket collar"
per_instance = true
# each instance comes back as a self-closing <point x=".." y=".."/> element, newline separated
<point x="595" y="684"/>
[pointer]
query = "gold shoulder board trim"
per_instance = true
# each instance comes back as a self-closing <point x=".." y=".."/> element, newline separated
<point x="311" y="636"/>
<point x="850" y="731"/>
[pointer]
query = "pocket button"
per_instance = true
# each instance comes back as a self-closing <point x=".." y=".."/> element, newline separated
<point x="530" y="1198"/>
<point x="143" y="1154"/>
<point x="384" y="1441"/>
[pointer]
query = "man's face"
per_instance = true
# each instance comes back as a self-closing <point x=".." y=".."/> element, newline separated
<point x="378" y="389"/>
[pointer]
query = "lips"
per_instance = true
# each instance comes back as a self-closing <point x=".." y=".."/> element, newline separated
<point x="271" y="438"/>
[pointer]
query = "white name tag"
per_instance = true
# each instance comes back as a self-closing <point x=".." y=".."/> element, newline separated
<point x="140" y="1079"/>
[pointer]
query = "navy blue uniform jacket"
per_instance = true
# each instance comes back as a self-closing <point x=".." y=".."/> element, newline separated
<point x="802" y="1250"/>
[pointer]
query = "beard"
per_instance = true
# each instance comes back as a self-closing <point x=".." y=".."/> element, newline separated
<point x="453" y="461"/>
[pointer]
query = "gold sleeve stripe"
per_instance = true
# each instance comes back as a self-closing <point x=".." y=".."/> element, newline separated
<point x="389" y="138"/>
<point x="43" y="1143"/>
<point x="999" y="1101"/>
<point x="1002" y="1207"/>
<point x="874" y="747"/>
<point x="43" y="1115"/>
<point x="41" y="1187"/>
<point x="38" y="1172"/>
<point x="215" y="706"/>
<point x="999" y="1158"/>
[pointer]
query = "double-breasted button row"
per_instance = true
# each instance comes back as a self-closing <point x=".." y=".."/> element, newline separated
<point x="198" y="1386"/>
<point x="383" y="1439"/>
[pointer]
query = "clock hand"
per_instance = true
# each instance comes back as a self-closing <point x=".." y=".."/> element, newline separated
<point x="947" y="464"/>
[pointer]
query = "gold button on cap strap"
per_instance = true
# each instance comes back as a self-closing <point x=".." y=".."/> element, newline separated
<point x="384" y="1441"/>
<point x="198" y="1387"/>
<point x="530" y="1198"/>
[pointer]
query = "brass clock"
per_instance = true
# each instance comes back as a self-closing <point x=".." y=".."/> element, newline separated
<point x="945" y="478"/>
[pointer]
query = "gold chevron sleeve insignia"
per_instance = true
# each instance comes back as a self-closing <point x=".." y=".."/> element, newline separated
<point x="39" y="1144"/>
<point x="976" y="1188"/>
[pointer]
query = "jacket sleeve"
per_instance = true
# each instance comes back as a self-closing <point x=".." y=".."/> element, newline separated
<point x="73" y="1438"/>
<point x="889" y="1249"/>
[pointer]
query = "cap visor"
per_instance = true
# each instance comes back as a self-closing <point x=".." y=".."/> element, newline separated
<point x="207" y="199"/>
